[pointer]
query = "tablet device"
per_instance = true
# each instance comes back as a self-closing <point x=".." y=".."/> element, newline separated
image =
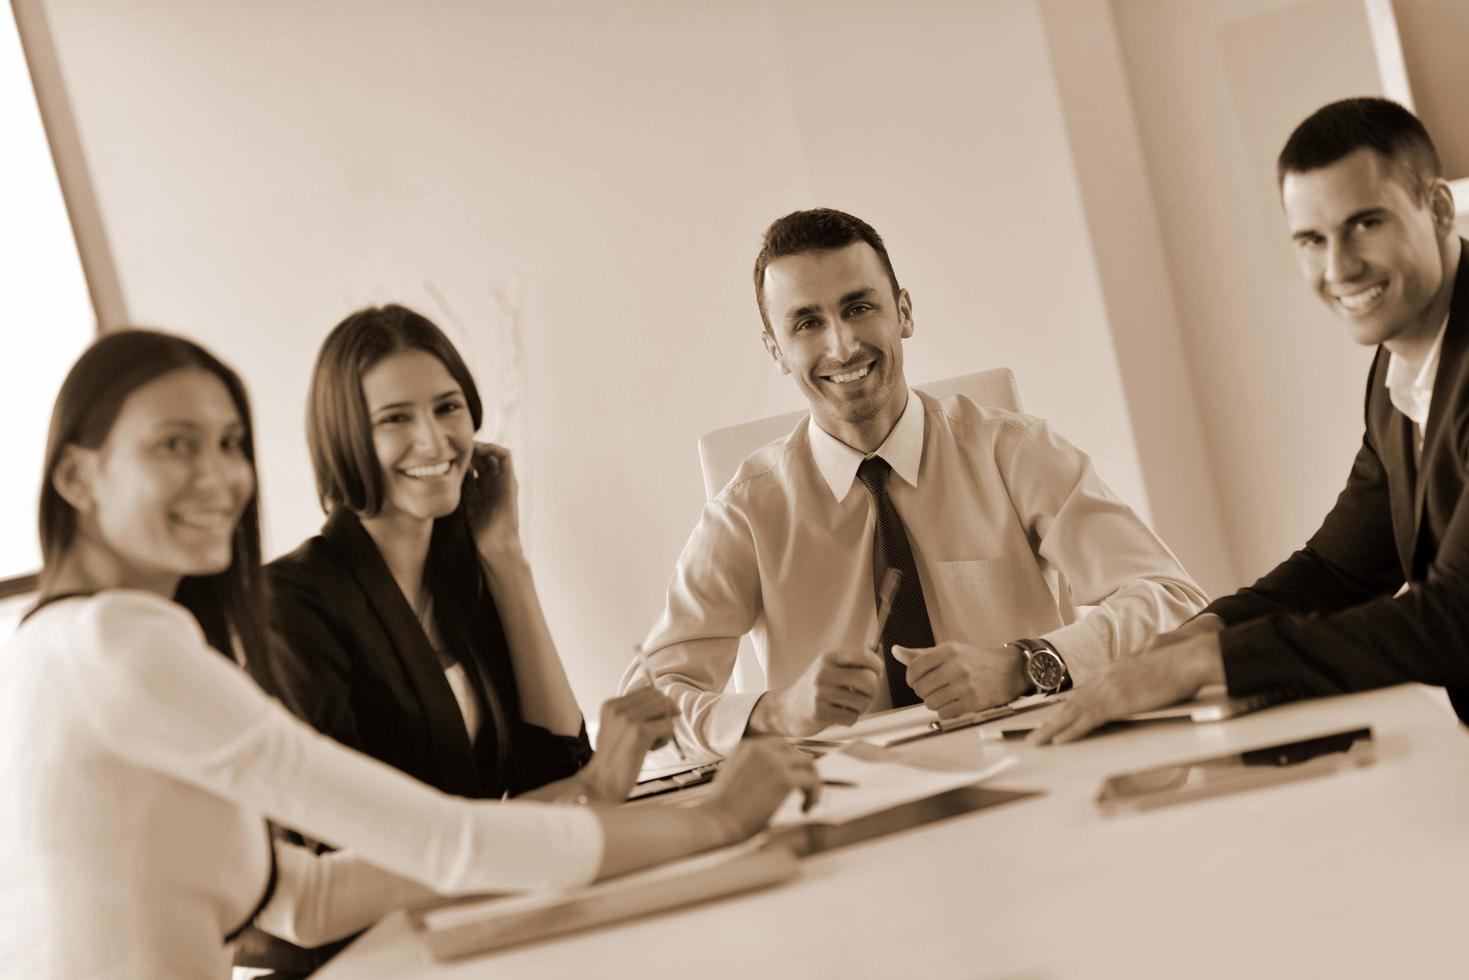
<point x="1265" y="766"/>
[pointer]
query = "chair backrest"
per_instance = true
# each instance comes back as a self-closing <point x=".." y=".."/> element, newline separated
<point x="722" y="451"/>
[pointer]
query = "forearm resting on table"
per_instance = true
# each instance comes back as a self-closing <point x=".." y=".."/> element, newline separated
<point x="642" y="837"/>
<point x="320" y="898"/>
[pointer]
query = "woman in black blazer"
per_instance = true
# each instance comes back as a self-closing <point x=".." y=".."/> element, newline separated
<point x="410" y="628"/>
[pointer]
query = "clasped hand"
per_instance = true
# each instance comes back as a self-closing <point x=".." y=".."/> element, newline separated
<point x="952" y="678"/>
<point x="955" y="679"/>
<point x="835" y="689"/>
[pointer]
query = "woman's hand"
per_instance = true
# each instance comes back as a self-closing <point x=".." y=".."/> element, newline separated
<point x="631" y="725"/>
<point x="491" y="502"/>
<point x="754" y="781"/>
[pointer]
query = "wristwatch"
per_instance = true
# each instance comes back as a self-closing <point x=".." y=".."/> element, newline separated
<point x="1043" y="666"/>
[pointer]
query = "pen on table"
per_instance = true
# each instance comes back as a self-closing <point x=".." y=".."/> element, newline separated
<point x="839" y="783"/>
<point x="637" y="649"/>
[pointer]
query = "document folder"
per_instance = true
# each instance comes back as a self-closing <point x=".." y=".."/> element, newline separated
<point x="456" y="928"/>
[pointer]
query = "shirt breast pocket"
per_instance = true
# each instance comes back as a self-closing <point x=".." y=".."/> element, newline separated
<point x="982" y="573"/>
<point x="980" y="600"/>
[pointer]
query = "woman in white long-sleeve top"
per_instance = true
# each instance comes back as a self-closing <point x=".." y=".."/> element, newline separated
<point x="138" y="763"/>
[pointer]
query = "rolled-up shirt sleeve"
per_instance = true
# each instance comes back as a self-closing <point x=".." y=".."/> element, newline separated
<point x="713" y="600"/>
<point x="1108" y="557"/>
<point x="162" y="699"/>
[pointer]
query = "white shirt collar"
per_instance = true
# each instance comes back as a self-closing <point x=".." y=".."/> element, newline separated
<point x="1410" y="385"/>
<point x="902" y="449"/>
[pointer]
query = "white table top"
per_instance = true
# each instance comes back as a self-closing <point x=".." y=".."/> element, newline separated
<point x="1357" y="874"/>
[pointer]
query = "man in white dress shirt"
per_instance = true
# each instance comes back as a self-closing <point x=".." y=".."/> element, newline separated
<point x="999" y="525"/>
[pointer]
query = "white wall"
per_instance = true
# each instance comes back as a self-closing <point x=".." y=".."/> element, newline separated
<point x="1126" y="241"/>
<point x="576" y="191"/>
<point x="1217" y="86"/>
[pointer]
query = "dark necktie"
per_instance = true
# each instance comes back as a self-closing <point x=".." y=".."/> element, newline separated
<point x="907" y="624"/>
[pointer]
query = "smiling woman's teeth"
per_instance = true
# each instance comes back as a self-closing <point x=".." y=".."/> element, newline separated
<point x="423" y="472"/>
<point x="857" y="375"/>
<point x="1357" y="301"/>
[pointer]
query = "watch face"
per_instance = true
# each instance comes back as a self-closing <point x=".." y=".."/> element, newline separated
<point x="1046" y="670"/>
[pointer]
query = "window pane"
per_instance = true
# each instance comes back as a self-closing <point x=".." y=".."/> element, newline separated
<point x="48" y="316"/>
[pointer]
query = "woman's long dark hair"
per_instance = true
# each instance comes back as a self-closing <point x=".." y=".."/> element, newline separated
<point x="228" y="605"/>
<point x="339" y="435"/>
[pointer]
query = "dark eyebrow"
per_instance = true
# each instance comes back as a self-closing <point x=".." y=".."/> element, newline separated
<point x="1350" y="220"/>
<point x="866" y="292"/>
<point x="451" y="393"/>
<point x="1357" y="216"/>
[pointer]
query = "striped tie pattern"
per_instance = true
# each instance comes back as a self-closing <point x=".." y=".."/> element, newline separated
<point x="907" y="624"/>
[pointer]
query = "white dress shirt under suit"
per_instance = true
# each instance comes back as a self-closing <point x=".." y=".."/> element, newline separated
<point x="1011" y="530"/>
<point x="137" y="767"/>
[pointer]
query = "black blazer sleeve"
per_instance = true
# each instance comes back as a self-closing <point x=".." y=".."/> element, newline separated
<point x="537" y="755"/>
<point x="1420" y="635"/>
<point x="542" y="756"/>
<point x="318" y="692"/>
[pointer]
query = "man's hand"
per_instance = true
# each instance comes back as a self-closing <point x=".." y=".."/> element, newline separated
<point x="835" y="690"/>
<point x="956" y="678"/>
<point x="1164" y="674"/>
<point x="631" y="725"/>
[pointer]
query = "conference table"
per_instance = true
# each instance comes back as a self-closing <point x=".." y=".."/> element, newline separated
<point x="1360" y="873"/>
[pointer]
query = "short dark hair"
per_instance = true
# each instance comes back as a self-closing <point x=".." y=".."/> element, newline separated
<point x="816" y="230"/>
<point x="1332" y="132"/>
<point x="338" y="429"/>
<point x="228" y="605"/>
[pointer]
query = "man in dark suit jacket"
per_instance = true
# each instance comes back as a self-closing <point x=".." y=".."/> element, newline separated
<point x="1380" y="594"/>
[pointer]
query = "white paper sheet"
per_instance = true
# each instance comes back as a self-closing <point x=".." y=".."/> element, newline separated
<point x="878" y="786"/>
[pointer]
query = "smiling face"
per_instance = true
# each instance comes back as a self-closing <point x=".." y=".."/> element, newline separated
<point x="1372" y="252"/>
<point x="160" y="498"/>
<point x="422" y="433"/>
<point x="837" y="328"/>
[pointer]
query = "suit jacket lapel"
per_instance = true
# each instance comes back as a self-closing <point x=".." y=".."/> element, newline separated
<point x="1450" y="356"/>
<point x="1397" y="442"/>
<point x="454" y="757"/>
